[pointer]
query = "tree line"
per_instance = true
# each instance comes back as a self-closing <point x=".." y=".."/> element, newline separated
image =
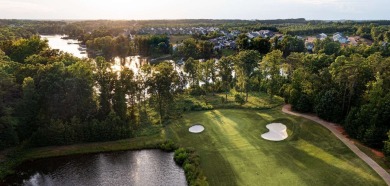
<point x="52" y="98"/>
<point x="123" y="46"/>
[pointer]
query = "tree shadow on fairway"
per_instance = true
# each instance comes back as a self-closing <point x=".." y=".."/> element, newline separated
<point x="217" y="117"/>
<point x="217" y="169"/>
<point x="322" y="138"/>
<point x="322" y="168"/>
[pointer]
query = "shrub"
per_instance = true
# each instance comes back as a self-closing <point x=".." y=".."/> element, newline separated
<point x="196" y="91"/>
<point x="181" y="156"/>
<point x="189" y="160"/>
<point x="190" y="171"/>
<point x="195" y="105"/>
<point x="168" y="146"/>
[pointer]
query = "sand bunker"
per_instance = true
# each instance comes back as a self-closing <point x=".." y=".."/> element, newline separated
<point x="277" y="132"/>
<point x="196" y="129"/>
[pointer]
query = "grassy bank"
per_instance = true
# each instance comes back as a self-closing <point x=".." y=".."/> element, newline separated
<point x="148" y="142"/>
<point x="18" y="156"/>
<point x="233" y="153"/>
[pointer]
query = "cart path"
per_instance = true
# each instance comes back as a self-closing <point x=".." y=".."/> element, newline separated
<point x="334" y="128"/>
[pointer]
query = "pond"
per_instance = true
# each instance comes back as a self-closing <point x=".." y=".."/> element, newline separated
<point x="144" y="167"/>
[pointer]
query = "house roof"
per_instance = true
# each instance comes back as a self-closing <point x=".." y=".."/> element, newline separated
<point x="322" y="35"/>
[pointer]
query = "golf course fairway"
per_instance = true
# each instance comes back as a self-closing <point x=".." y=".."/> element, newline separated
<point x="232" y="151"/>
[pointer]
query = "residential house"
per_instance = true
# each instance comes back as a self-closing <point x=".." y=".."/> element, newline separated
<point x="255" y="34"/>
<point x="180" y="62"/>
<point x="322" y="36"/>
<point x="339" y="37"/>
<point x="280" y="38"/>
<point x="250" y="35"/>
<point x="309" y="46"/>
<point x="266" y="33"/>
<point x="235" y="33"/>
<point x="233" y="45"/>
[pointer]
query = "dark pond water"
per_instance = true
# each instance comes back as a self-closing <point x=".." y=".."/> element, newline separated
<point x="143" y="168"/>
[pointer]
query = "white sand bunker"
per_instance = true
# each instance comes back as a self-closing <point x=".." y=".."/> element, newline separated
<point x="196" y="129"/>
<point x="277" y="132"/>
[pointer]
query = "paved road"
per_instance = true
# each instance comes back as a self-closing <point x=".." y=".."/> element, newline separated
<point x="333" y="128"/>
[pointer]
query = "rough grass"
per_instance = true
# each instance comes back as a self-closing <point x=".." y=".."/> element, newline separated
<point x="233" y="153"/>
<point x="381" y="161"/>
<point x="127" y="144"/>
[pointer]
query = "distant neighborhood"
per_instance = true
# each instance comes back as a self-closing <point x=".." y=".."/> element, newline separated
<point x="227" y="38"/>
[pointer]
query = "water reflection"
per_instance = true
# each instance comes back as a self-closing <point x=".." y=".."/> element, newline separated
<point x="145" y="167"/>
<point x="70" y="46"/>
<point x="132" y="62"/>
<point x="67" y="45"/>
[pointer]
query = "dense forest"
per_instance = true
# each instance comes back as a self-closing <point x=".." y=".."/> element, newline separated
<point x="52" y="98"/>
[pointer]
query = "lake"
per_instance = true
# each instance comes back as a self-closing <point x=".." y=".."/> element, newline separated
<point x="143" y="168"/>
<point x="66" y="45"/>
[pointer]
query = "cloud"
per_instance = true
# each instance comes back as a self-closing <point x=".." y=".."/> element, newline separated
<point x="21" y="7"/>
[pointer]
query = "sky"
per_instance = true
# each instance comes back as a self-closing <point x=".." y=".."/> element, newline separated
<point x="196" y="9"/>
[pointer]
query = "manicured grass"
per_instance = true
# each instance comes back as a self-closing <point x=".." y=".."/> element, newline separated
<point x="233" y="153"/>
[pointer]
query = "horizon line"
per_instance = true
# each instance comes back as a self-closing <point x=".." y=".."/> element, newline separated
<point x="171" y="19"/>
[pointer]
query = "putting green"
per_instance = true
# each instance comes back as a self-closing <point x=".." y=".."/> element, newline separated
<point x="233" y="153"/>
